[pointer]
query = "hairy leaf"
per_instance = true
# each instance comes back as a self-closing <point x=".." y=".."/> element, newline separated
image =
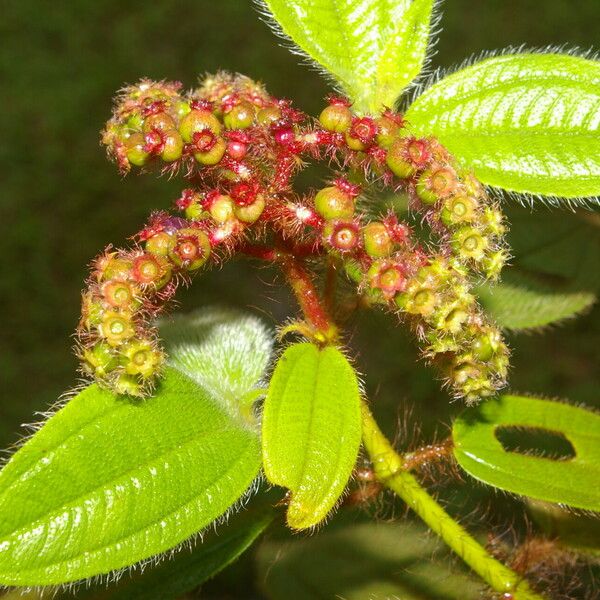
<point x="554" y="273"/>
<point x="311" y="429"/>
<point x="525" y="123"/>
<point x="225" y="351"/>
<point x="483" y="448"/>
<point x="109" y="481"/>
<point x="188" y="569"/>
<point x="373" y="48"/>
<point x="362" y="561"/>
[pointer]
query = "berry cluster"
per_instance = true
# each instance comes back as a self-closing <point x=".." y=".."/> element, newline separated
<point x="239" y="149"/>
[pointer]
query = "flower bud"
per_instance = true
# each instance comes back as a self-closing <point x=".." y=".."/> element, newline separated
<point x="361" y="134"/>
<point x="387" y="277"/>
<point x="417" y="300"/>
<point x="127" y="385"/>
<point x="493" y="263"/>
<point x="377" y="240"/>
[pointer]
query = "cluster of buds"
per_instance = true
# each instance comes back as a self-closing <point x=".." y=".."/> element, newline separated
<point x="238" y="149"/>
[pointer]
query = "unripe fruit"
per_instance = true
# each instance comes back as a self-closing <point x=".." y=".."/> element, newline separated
<point x="159" y="122"/>
<point x="92" y="311"/>
<point x="398" y="161"/>
<point x="160" y="243"/>
<point x="214" y="155"/>
<point x="221" y="208"/>
<point x="341" y="235"/>
<point x="150" y="269"/>
<point x="140" y="357"/>
<point x="116" y="328"/>
<point x="99" y="360"/>
<point x="111" y="266"/>
<point x="119" y="294"/>
<point x="493" y="263"/>
<point x="134" y="150"/>
<point x="127" y="385"/>
<point x="250" y="213"/>
<point x="240" y="116"/>
<point x="459" y="209"/>
<point x="191" y="250"/>
<point x="172" y="146"/>
<point x="389" y="127"/>
<point x="467" y="242"/>
<point x="435" y="184"/>
<point x="195" y="211"/>
<point x="336" y="117"/>
<point x="268" y="115"/>
<point x="387" y="277"/>
<point x="333" y="203"/>
<point x="377" y="240"/>
<point x="196" y="121"/>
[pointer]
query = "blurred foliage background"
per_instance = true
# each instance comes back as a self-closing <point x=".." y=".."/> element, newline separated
<point x="61" y="202"/>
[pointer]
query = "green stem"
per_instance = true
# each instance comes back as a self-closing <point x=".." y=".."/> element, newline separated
<point x="388" y="467"/>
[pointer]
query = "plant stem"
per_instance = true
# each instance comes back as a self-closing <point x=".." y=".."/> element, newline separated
<point x="388" y="467"/>
<point x="302" y="285"/>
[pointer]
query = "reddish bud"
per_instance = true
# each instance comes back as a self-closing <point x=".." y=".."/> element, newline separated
<point x="244" y="193"/>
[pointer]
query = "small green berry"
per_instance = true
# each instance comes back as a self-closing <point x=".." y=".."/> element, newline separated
<point x="172" y="146"/>
<point x="134" y="150"/>
<point x="336" y="117"/>
<point x="99" y="360"/>
<point x="159" y="122"/>
<point x="198" y="120"/>
<point x="435" y="184"/>
<point x="160" y="243"/>
<point x="377" y="240"/>
<point x="241" y="116"/>
<point x="214" y="155"/>
<point x="398" y="162"/>
<point x="222" y="208"/>
<point x="334" y="203"/>
<point x="250" y="213"/>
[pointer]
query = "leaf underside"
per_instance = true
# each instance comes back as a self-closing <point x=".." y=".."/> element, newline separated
<point x="373" y="48"/>
<point x="311" y="429"/>
<point x="527" y="123"/>
<point x="109" y="481"/>
<point x="572" y="481"/>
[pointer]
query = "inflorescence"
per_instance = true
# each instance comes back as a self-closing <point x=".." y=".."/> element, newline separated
<point x="238" y="149"/>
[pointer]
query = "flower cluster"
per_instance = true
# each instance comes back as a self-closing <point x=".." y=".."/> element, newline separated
<point x="238" y="149"/>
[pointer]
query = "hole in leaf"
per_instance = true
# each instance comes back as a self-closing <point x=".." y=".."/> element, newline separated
<point x="535" y="441"/>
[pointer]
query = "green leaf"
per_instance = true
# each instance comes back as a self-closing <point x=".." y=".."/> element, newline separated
<point x="526" y="123"/>
<point x="188" y="569"/>
<point x="311" y="429"/>
<point x="373" y="48"/>
<point x="224" y="350"/>
<point x="481" y="434"/>
<point x="554" y="274"/>
<point x="364" y="561"/>
<point x="109" y="481"/>
<point x="518" y="307"/>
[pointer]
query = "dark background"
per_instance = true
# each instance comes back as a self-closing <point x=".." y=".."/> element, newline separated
<point x="61" y="202"/>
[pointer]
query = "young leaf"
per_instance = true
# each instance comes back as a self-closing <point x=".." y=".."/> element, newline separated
<point x="367" y="560"/>
<point x="373" y="48"/>
<point x="225" y="351"/>
<point x="109" y="481"/>
<point x="480" y="436"/>
<point x="526" y="123"/>
<point x="311" y="429"/>
<point x="188" y="569"/>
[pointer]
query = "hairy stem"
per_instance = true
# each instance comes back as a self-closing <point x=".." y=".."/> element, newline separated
<point x="389" y="470"/>
<point x="308" y="298"/>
